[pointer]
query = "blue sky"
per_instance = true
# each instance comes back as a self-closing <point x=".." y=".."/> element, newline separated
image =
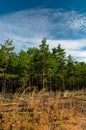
<point x="27" y="22"/>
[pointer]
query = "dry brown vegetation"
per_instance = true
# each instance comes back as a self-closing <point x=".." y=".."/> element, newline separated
<point x="43" y="111"/>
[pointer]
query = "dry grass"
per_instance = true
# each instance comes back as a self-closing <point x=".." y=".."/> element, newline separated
<point x="40" y="111"/>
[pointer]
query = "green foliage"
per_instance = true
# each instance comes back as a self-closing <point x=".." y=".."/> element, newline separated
<point x="40" y="67"/>
<point x="5" y="50"/>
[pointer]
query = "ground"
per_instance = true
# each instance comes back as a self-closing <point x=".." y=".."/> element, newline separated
<point x="43" y="110"/>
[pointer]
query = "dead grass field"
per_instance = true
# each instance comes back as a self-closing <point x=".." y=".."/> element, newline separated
<point x="43" y="111"/>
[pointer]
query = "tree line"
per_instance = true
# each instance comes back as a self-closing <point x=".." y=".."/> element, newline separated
<point x="39" y="67"/>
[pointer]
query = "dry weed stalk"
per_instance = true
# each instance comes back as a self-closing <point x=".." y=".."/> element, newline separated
<point x="40" y="110"/>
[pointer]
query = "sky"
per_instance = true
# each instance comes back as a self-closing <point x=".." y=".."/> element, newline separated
<point x="27" y="22"/>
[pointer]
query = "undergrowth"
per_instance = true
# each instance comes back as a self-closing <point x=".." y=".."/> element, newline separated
<point x="39" y="111"/>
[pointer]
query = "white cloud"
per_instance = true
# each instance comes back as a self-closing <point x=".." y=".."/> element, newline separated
<point x="72" y="47"/>
<point x="28" y="27"/>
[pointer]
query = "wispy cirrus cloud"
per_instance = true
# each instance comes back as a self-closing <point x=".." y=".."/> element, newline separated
<point x="28" y="27"/>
